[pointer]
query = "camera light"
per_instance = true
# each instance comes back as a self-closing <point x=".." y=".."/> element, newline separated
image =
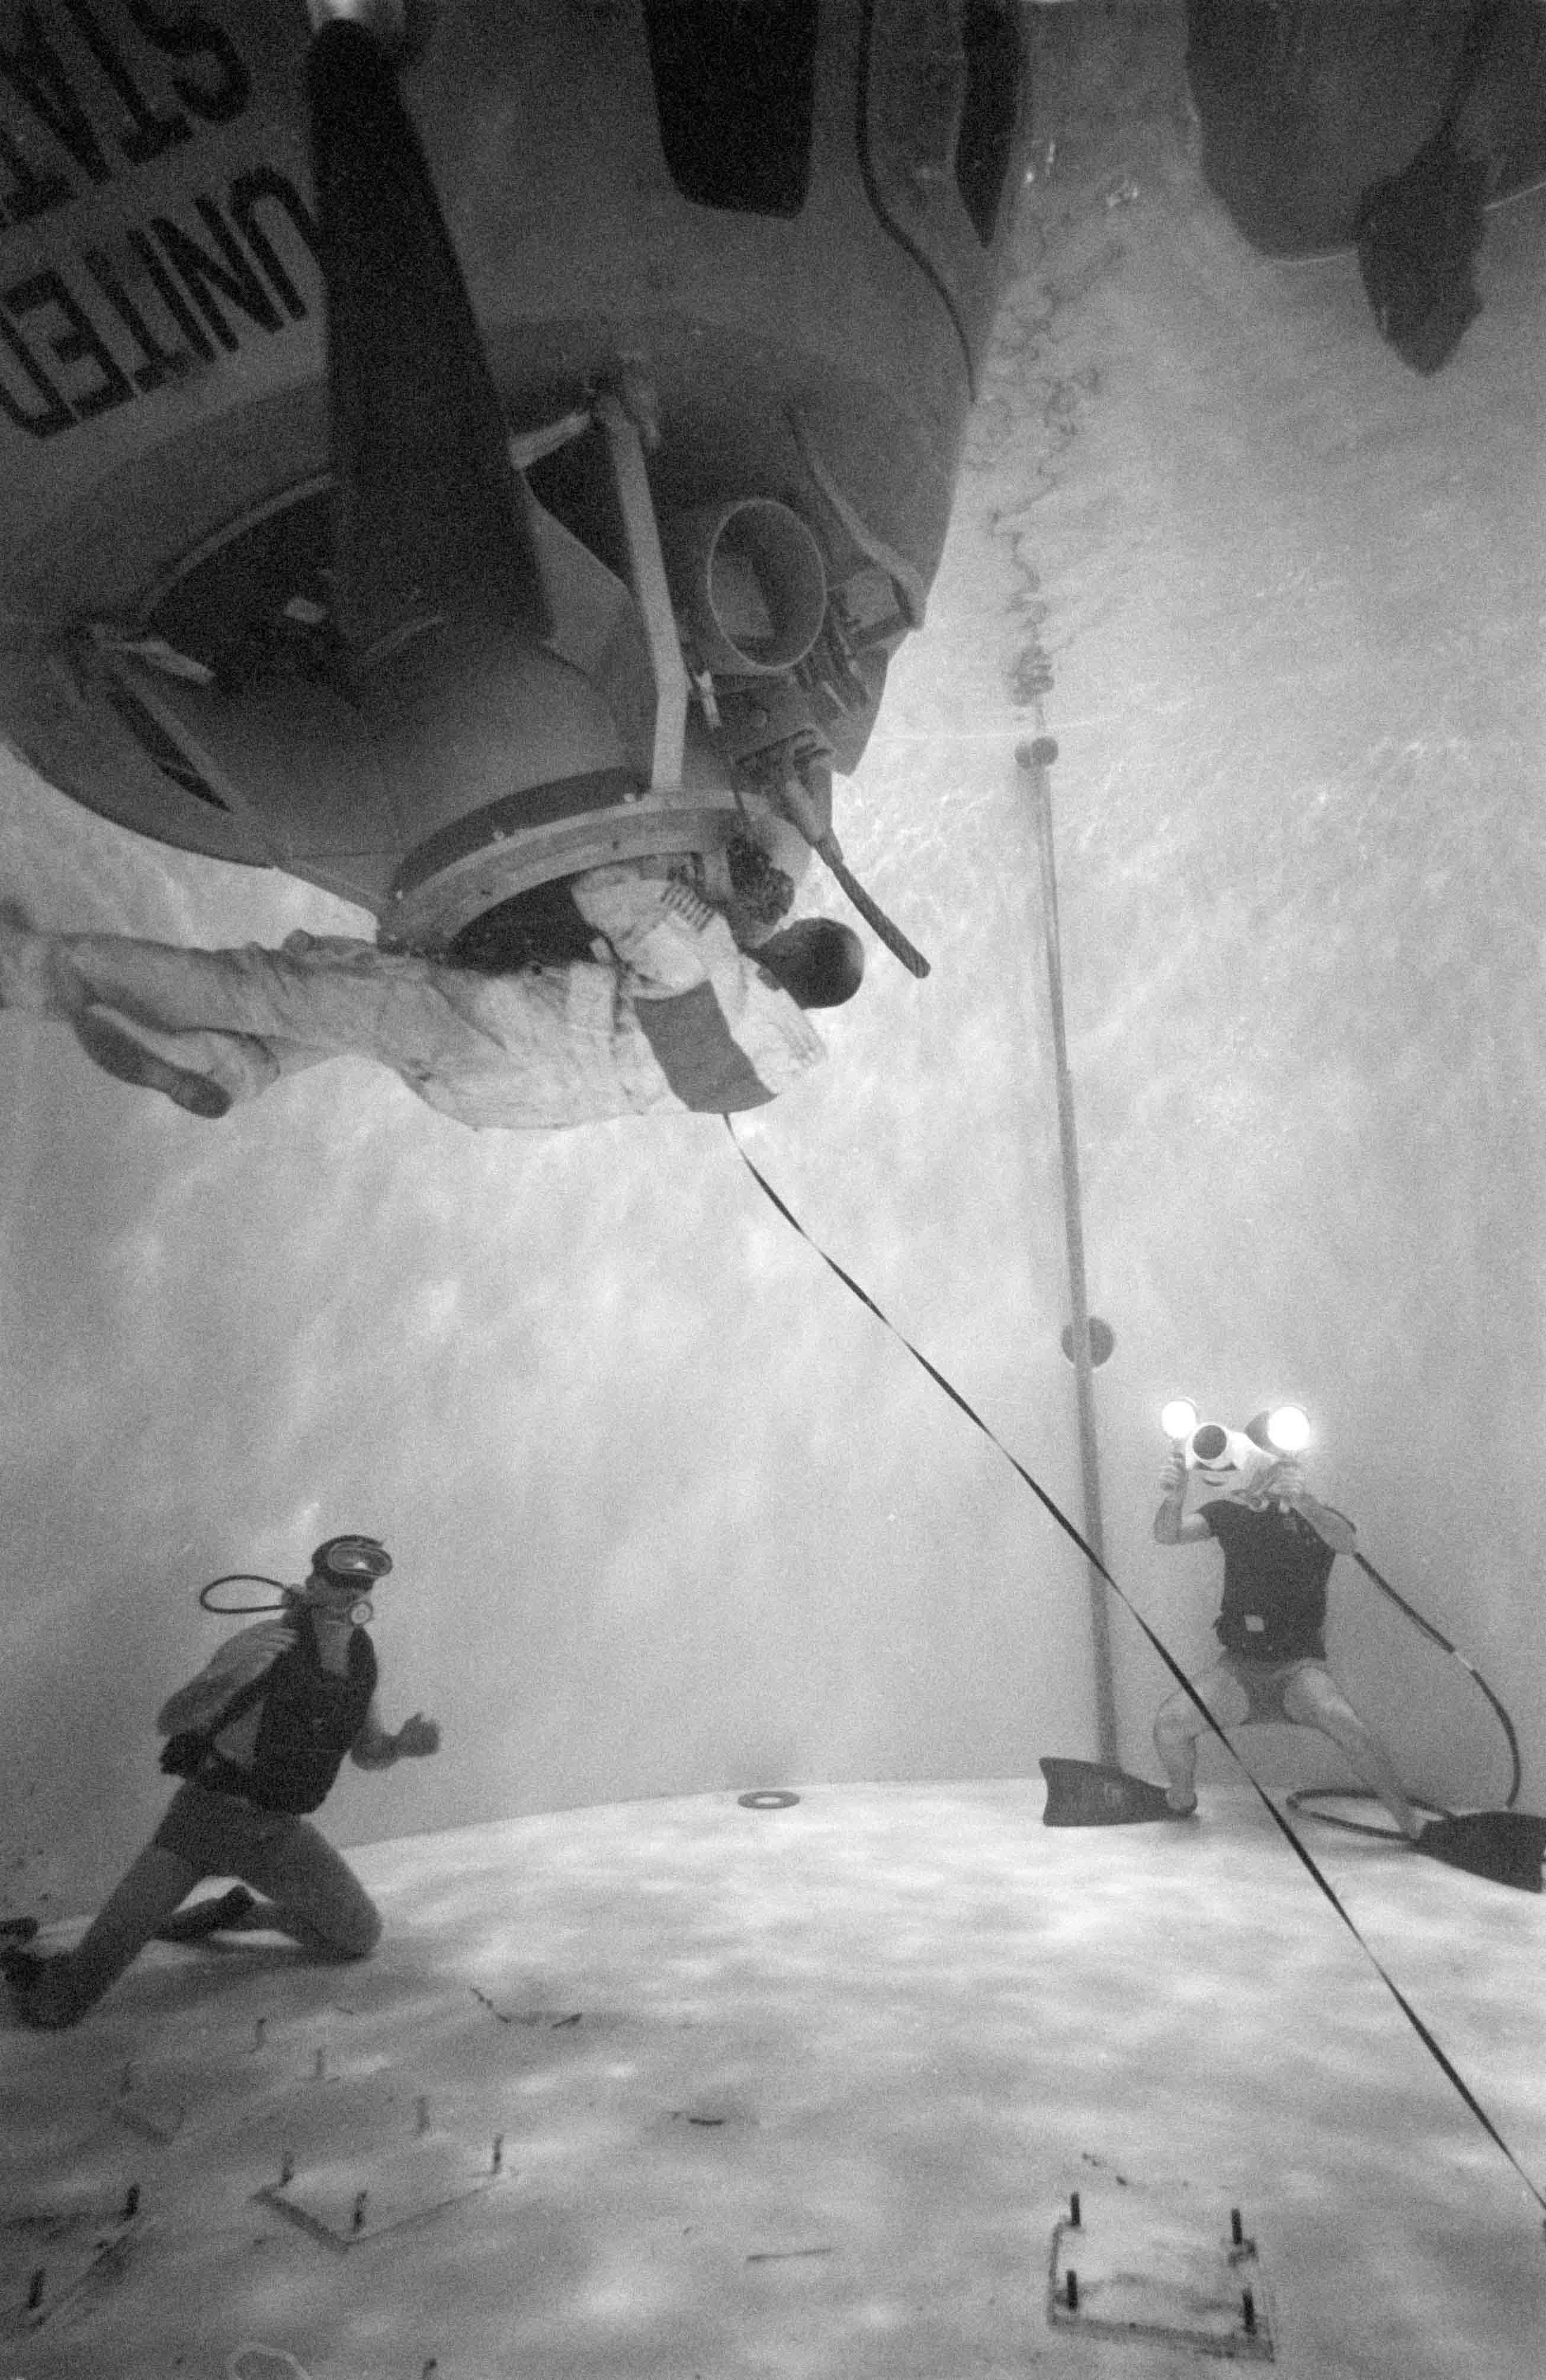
<point x="1179" y="1418"/>
<point x="1288" y="1429"/>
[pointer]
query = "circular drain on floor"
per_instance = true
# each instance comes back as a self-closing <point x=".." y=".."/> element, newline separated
<point x="252" y="2362"/>
<point x="768" y="1801"/>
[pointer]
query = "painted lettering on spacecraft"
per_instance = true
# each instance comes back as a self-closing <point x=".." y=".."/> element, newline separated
<point x="89" y="94"/>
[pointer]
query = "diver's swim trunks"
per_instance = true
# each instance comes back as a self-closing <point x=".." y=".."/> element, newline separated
<point x="1264" y="1682"/>
<point x="213" y="1832"/>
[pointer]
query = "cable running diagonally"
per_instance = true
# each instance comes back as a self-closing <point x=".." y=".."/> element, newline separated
<point x="1323" y="1883"/>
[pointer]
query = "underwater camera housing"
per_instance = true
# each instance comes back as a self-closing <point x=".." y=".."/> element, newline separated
<point x="1227" y="1460"/>
<point x="1233" y="1462"/>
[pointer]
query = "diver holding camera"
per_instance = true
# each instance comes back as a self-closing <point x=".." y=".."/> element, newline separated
<point x="1279" y="1544"/>
<point x="257" y="1738"/>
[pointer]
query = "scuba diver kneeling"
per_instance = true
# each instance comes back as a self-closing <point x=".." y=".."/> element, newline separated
<point x="259" y="1738"/>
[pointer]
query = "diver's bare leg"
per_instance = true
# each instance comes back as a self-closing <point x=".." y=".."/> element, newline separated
<point x="1312" y="1699"/>
<point x="1178" y="1723"/>
<point x="59" y="1990"/>
<point x="314" y="1895"/>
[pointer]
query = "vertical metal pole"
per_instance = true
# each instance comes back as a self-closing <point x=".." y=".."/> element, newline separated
<point x="1035" y="759"/>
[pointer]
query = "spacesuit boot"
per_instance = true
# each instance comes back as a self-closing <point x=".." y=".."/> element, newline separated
<point x="204" y="1072"/>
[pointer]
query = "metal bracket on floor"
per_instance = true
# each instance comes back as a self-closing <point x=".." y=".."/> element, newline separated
<point x="343" y="2201"/>
<point x="54" y="2261"/>
<point x="1129" y="2270"/>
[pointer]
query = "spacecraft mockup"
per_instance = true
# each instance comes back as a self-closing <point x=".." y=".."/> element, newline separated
<point x="450" y="445"/>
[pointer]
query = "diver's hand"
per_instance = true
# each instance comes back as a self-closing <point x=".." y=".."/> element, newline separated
<point x="416" y="1738"/>
<point x="1173" y="1478"/>
<point x="1284" y="1482"/>
<point x="256" y="1651"/>
<point x="1333" y="1527"/>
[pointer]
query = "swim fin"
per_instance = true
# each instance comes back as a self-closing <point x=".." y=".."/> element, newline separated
<point x="1088" y="1793"/>
<point x="15" y="1962"/>
<point x="1505" y="1846"/>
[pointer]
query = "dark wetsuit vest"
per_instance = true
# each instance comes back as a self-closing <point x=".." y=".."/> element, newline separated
<point x="310" y="1718"/>
<point x="1275" y="1569"/>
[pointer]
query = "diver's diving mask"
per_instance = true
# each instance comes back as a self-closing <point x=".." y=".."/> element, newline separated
<point x="352" y="1562"/>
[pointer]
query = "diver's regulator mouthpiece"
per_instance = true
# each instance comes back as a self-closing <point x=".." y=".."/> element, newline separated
<point x="351" y="1562"/>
